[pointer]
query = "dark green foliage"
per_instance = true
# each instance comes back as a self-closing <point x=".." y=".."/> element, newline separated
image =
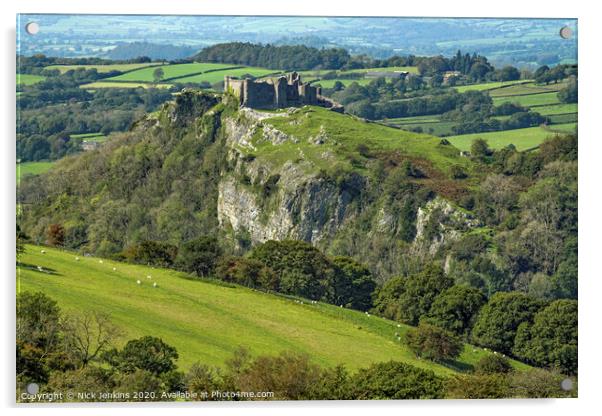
<point x="246" y="272"/>
<point x="149" y="354"/>
<point x="199" y="256"/>
<point x="154" y="253"/>
<point x="301" y="268"/>
<point x="37" y="320"/>
<point x="283" y="57"/>
<point x="455" y="309"/>
<point x="551" y="340"/>
<point x="458" y="173"/>
<point x="201" y="379"/>
<point x="493" y="364"/>
<point x="333" y="384"/>
<point x="498" y="321"/>
<point x="480" y="149"/>
<point x="419" y="292"/>
<point x="395" y="380"/>
<point x="353" y="285"/>
<point x="479" y="386"/>
<point x="433" y="343"/>
<point x="469" y="247"/>
<point x="142" y="386"/>
<point x="569" y="94"/>
<point x="386" y="298"/>
<point x="290" y="376"/>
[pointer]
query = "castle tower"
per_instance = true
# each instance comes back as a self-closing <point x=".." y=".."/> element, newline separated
<point x="280" y="96"/>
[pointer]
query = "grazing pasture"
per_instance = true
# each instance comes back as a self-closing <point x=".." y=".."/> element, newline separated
<point x="29" y="79"/>
<point x="208" y="320"/>
<point x="32" y="168"/>
<point x="109" y="84"/>
<point x="104" y="68"/>
<point x="522" y="139"/>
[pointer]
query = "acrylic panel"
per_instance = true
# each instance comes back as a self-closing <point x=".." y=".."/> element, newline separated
<point x="295" y="208"/>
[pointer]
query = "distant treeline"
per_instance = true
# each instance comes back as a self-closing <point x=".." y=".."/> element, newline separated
<point x="35" y="64"/>
<point x="301" y="57"/>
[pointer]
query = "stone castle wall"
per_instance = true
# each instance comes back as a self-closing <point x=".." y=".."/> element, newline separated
<point x="281" y="92"/>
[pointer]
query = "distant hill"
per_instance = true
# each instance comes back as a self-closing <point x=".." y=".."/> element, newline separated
<point x="152" y="50"/>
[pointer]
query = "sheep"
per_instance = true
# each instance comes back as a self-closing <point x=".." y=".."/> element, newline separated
<point x="154" y="284"/>
<point x="114" y="268"/>
<point x="40" y="269"/>
<point x="398" y="325"/>
<point x="148" y="276"/>
<point x="139" y="282"/>
<point x="43" y="251"/>
<point x="100" y="261"/>
<point x="77" y="259"/>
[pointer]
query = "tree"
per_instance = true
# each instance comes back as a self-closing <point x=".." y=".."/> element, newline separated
<point x="551" y="341"/>
<point x="509" y="73"/>
<point x="20" y="239"/>
<point x="455" y="309"/>
<point x="395" y="380"/>
<point x="199" y="256"/>
<point x="420" y="291"/>
<point x="433" y="343"/>
<point x="493" y="364"/>
<point x="158" y="74"/>
<point x="354" y="284"/>
<point x="290" y="376"/>
<point x="38" y="319"/>
<point x="569" y="94"/>
<point x="497" y="322"/>
<point x="88" y="335"/>
<point x="55" y="235"/>
<point x="301" y="268"/>
<point x="154" y="253"/>
<point x="148" y="353"/>
<point x="479" y="149"/>
<point x="200" y="379"/>
<point x="246" y="272"/>
<point x="386" y="302"/>
<point x="478" y="386"/>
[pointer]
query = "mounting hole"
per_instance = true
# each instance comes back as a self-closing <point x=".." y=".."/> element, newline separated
<point x="566" y="384"/>
<point x="566" y="32"/>
<point x="32" y="28"/>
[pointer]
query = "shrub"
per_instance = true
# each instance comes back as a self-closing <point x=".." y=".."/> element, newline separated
<point x="493" y="364"/>
<point x="478" y="386"/>
<point x="395" y="380"/>
<point x="148" y="353"/>
<point x="55" y="235"/>
<point x="433" y="343"/>
<point x="246" y="272"/>
<point x="152" y="253"/>
<point x="199" y="256"/>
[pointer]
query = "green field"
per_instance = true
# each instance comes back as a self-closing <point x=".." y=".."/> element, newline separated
<point x="28" y="79"/>
<point x="217" y="76"/>
<point x="532" y="100"/>
<point x="488" y="86"/>
<point x="526" y="89"/>
<point x="171" y="71"/>
<point x="90" y="137"/>
<point x="523" y="139"/>
<point x="207" y="321"/>
<point x="104" y="68"/>
<point x="329" y="83"/>
<point x="549" y="110"/>
<point x="32" y="168"/>
<point x="108" y="84"/>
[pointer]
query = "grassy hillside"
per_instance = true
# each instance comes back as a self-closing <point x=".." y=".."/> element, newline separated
<point x="523" y="139"/>
<point x="29" y="79"/>
<point x="32" y="168"/>
<point x="104" y="68"/>
<point x="207" y="321"/>
<point x="342" y="136"/>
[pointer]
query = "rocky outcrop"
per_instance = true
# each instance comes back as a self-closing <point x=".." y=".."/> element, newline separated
<point x="439" y="223"/>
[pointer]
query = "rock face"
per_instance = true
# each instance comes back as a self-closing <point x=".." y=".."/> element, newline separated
<point x="292" y="201"/>
<point x="438" y="223"/>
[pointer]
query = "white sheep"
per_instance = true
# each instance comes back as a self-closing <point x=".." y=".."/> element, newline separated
<point x="114" y="268"/>
<point x="43" y="251"/>
<point x="155" y="284"/>
<point x="139" y="282"/>
<point x="398" y="325"/>
<point x="148" y="276"/>
<point x="100" y="261"/>
<point x="77" y="259"/>
<point x="40" y="269"/>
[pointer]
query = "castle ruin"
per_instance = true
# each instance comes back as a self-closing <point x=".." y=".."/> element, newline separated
<point x="281" y="92"/>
